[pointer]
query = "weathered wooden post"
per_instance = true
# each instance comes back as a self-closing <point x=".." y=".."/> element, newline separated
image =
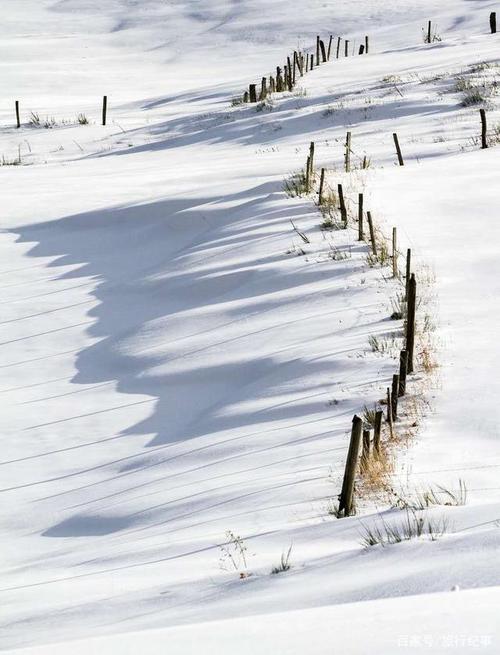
<point x="394" y="252"/>
<point x="377" y="429"/>
<point x="263" y="89"/>
<point x="398" y="149"/>
<point x="323" y="50"/>
<point x="348" y="153"/>
<point x="484" y="129"/>
<point x="104" y="109"/>
<point x="389" y="413"/>
<point x="372" y="233"/>
<point x="308" y="174"/>
<point x="321" y="186"/>
<point x="360" y="217"/>
<point x="245" y="96"/>
<point x="252" y="89"/>
<point x="291" y="80"/>
<point x="366" y="45"/>
<point x="408" y="271"/>
<point x="410" y="321"/>
<point x="346" y="50"/>
<point x="365" y="455"/>
<point x="279" y="80"/>
<point x="361" y="49"/>
<point x="317" y="50"/>
<point x="18" y="118"/>
<point x="272" y="85"/>
<point x="403" y="369"/>
<point x="493" y="22"/>
<point x="429" y="32"/>
<point x="346" y="500"/>
<point x="311" y="157"/>
<point x="329" y="47"/>
<point x="394" y="396"/>
<point x="338" y="46"/>
<point x="343" y="208"/>
<point x="311" y="65"/>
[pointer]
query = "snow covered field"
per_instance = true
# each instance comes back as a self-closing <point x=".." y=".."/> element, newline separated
<point x="172" y="370"/>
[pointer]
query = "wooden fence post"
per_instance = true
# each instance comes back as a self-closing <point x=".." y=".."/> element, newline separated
<point x="346" y="50"/>
<point x="18" y="118"/>
<point x="346" y="500"/>
<point x="321" y="186"/>
<point x="493" y="22"/>
<point x="308" y="174"/>
<point x="245" y="96"/>
<point x="279" y="80"/>
<point x="389" y="413"/>
<point x="360" y="217"/>
<point x="429" y="32"/>
<point x="394" y="396"/>
<point x="329" y="47"/>
<point x="398" y="149"/>
<point x="338" y="46"/>
<point x="365" y="455"/>
<point x="323" y="50"/>
<point x="317" y="50"/>
<point x="348" y="153"/>
<point x="104" y="109"/>
<point x="291" y="81"/>
<point x="484" y="128"/>
<point x="372" y="233"/>
<point x="410" y="321"/>
<point x="263" y="89"/>
<point x="394" y="252"/>
<point x="361" y="49"/>
<point x="343" y="209"/>
<point x="252" y="92"/>
<point x="408" y="271"/>
<point x="366" y="45"/>
<point x="403" y="369"/>
<point x="272" y="85"/>
<point x="377" y="428"/>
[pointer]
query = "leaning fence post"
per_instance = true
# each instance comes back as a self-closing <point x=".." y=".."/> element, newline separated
<point x="484" y="128"/>
<point x="343" y="209"/>
<point x="394" y="396"/>
<point x="410" y="321"/>
<point x="18" y="119"/>
<point x="323" y="50"/>
<point x="308" y="174"/>
<point x="360" y="217"/>
<point x="348" y="152"/>
<point x="372" y="233"/>
<point x="429" y="32"/>
<point x="403" y="369"/>
<point x="389" y="413"/>
<point x="377" y="428"/>
<point x="493" y="22"/>
<point x="394" y="253"/>
<point x="329" y="47"/>
<point x="346" y="500"/>
<point x="366" y="45"/>
<point x="338" y="46"/>
<point x="398" y="149"/>
<point x="321" y="186"/>
<point x="104" y="109"/>
<point x="317" y="50"/>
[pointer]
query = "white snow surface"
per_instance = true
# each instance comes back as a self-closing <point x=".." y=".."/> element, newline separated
<point x="171" y="369"/>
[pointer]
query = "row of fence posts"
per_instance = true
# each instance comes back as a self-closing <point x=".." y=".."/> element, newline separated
<point x="103" y="115"/>
<point x="349" y="151"/>
<point x="360" y="433"/>
<point x="298" y="64"/>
